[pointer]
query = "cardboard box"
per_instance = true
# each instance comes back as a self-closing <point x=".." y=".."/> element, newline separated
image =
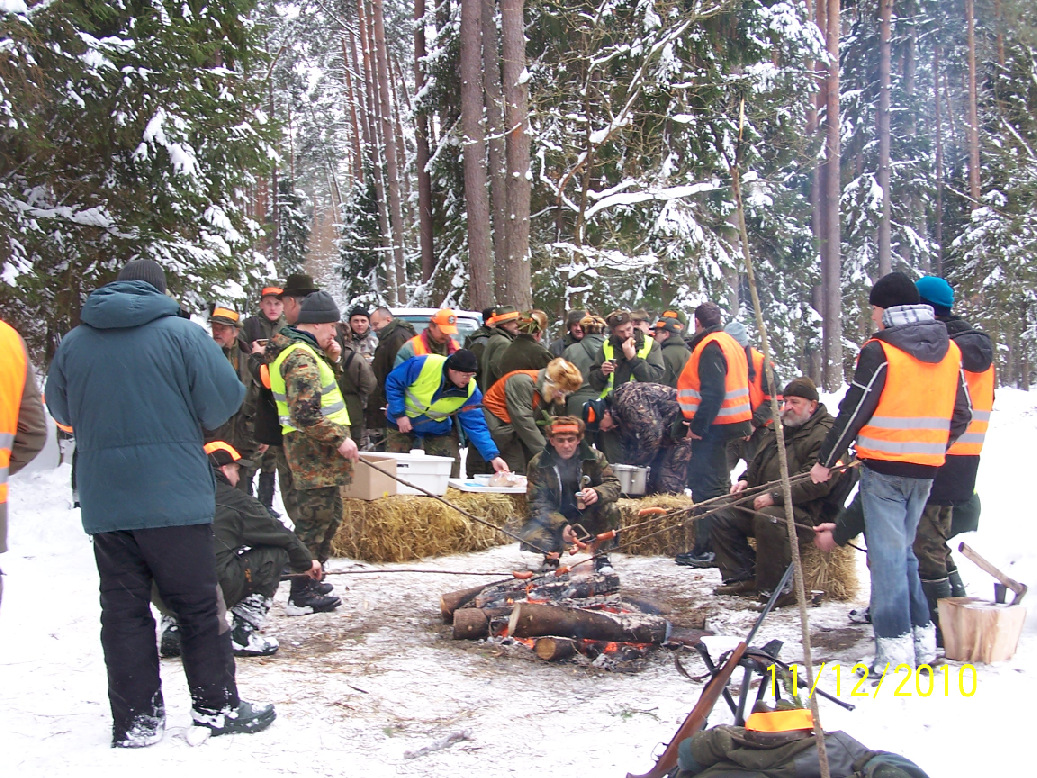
<point x="372" y="483"/>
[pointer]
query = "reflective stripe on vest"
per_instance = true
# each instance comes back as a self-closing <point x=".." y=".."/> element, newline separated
<point x="332" y="406"/>
<point x="735" y="406"/>
<point x="981" y="390"/>
<point x="495" y="401"/>
<point x="912" y="421"/>
<point x="607" y="349"/>
<point x="419" y="394"/>
<point x="14" y="367"/>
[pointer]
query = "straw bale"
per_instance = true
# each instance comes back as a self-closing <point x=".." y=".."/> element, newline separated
<point x="406" y="527"/>
<point x="835" y="573"/>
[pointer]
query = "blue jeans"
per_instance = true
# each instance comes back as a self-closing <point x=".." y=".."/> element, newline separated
<point x="892" y="508"/>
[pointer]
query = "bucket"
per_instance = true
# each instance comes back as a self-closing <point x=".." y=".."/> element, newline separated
<point x="633" y="480"/>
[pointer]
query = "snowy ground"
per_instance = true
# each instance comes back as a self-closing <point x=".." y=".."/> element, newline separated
<point x="357" y="689"/>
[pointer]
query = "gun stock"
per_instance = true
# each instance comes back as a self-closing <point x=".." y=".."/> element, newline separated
<point x="697" y="718"/>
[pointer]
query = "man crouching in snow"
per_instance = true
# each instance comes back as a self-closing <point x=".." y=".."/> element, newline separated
<point x="907" y="404"/>
<point x="138" y="383"/>
<point x="252" y="547"/>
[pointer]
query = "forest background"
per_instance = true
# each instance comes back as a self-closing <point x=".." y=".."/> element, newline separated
<point x="562" y="154"/>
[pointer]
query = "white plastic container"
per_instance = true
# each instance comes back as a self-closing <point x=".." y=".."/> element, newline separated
<point x="428" y="472"/>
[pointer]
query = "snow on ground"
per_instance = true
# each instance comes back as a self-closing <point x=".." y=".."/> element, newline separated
<point x="357" y="689"/>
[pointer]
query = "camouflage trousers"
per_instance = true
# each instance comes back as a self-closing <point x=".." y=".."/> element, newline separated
<point x="319" y="516"/>
<point x="433" y="445"/>
<point x="930" y="546"/>
<point x="289" y="494"/>
<point x="544" y="533"/>
<point x="669" y="473"/>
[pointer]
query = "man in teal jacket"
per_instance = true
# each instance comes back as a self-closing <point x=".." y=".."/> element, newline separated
<point x="138" y="383"/>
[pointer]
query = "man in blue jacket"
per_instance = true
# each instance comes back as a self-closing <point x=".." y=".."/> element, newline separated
<point x="423" y="395"/>
<point x="138" y="383"/>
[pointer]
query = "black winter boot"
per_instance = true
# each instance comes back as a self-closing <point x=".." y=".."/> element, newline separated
<point x="936" y="589"/>
<point x="302" y="600"/>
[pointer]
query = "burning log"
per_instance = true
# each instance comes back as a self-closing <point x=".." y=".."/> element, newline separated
<point x="452" y="601"/>
<point x="551" y="649"/>
<point x="477" y="623"/>
<point x="529" y="620"/>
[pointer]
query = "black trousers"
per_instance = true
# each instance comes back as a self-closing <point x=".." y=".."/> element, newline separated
<point x="708" y="477"/>
<point x="181" y="562"/>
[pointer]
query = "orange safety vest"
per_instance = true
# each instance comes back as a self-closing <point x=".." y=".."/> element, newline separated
<point x="14" y="366"/>
<point x="735" y="407"/>
<point x="756" y="394"/>
<point x="421" y="349"/>
<point x="912" y="421"/>
<point x="494" y="400"/>
<point x="981" y="390"/>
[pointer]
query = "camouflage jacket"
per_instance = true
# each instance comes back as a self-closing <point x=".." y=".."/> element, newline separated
<point x="311" y="451"/>
<point x="544" y="486"/>
<point x="649" y="419"/>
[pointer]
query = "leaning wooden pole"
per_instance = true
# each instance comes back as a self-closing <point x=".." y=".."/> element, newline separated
<point x="783" y="462"/>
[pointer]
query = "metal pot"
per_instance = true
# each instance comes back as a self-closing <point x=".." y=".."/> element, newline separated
<point x="633" y="480"/>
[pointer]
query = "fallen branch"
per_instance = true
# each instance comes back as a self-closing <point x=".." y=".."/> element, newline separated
<point x="449" y="740"/>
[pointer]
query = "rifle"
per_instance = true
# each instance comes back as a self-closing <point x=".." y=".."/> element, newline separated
<point x="717" y="685"/>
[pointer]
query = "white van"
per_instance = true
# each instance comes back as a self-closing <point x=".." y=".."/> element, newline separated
<point x="467" y="321"/>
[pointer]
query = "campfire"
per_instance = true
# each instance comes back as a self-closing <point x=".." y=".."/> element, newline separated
<point x="574" y="614"/>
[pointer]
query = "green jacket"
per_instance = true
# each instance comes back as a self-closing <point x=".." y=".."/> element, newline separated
<point x="675" y="355"/>
<point x="237" y="430"/>
<point x="802" y="445"/>
<point x="543" y="486"/>
<point x="312" y="450"/>
<point x="390" y="340"/>
<point x="523" y="353"/>
<point x="489" y="362"/>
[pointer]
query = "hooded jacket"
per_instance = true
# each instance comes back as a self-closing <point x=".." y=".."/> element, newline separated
<point x="582" y="353"/>
<point x="138" y="383"/>
<point x="924" y="339"/>
<point x="390" y="340"/>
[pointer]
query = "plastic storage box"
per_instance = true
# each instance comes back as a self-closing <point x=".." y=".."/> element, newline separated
<point x="429" y="472"/>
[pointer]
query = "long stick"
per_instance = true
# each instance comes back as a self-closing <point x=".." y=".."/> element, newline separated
<point x="786" y="486"/>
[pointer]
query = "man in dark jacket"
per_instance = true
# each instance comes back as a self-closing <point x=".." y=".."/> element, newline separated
<point x="252" y="548"/>
<point x="906" y="406"/>
<point x="806" y="423"/>
<point x="955" y="484"/>
<point x="674" y="350"/>
<point x="713" y="391"/>
<point x="505" y="324"/>
<point x="573" y="333"/>
<point x="257" y="331"/>
<point x="147" y="494"/>
<point x="392" y="334"/>
<point x="526" y="351"/>
<point x="569" y="483"/>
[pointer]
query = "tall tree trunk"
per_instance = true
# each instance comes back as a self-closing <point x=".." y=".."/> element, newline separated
<point x="520" y="184"/>
<point x="818" y="187"/>
<point x="422" y="156"/>
<point x="939" y="160"/>
<point x="480" y="293"/>
<point x="389" y="138"/>
<point x="974" y="186"/>
<point x="498" y="162"/>
<point x="833" y="330"/>
<point x="885" y="45"/>
<point x="351" y="95"/>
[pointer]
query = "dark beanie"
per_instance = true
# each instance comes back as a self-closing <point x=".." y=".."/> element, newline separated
<point x="318" y="308"/>
<point x="893" y="289"/>
<point x="801" y="387"/>
<point x="574" y="316"/>
<point x="359" y="310"/>
<point x="144" y="270"/>
<point x="463" y="361"/>
<point x="708" y="314"/>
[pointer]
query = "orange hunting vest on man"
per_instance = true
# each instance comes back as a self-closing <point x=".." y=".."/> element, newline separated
<point x="494" y="400"/>
<point x="13" y="371"/>
<point x="735" y="407"/>
<point x="981" y="391"/>
<point x="912" y="421"/>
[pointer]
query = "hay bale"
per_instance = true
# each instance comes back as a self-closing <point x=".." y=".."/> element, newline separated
<point x="405" y="527"/>
<point x="835" y="573"/>
<point x="665" y="535"/>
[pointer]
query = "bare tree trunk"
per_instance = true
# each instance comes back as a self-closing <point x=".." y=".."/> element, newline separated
<point x="885" y="34"/>
<point x="974" y="186"/>
<point x="422" y="156"/>
<point x="520" y="184"/>
<point x="939" y="161"/>
<point x="389" y="138"/>
<point x="818" y="185"/>
<point x="480" y="291"/>
<point x="358" y="143"/>
<point x="498" y="161"/>
<point x="833" y="330"/>
<point x="910" y="129"/>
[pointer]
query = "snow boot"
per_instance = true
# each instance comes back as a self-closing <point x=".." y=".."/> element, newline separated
<point x="924" y="639"/>
<point x="247" y="641"/>
<point x="245" y="718"/>
<point x="302" y="600"/>
<point x="253" y="609"/>
<point x="936" y="589"/>
<point x="169" y="645"/>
